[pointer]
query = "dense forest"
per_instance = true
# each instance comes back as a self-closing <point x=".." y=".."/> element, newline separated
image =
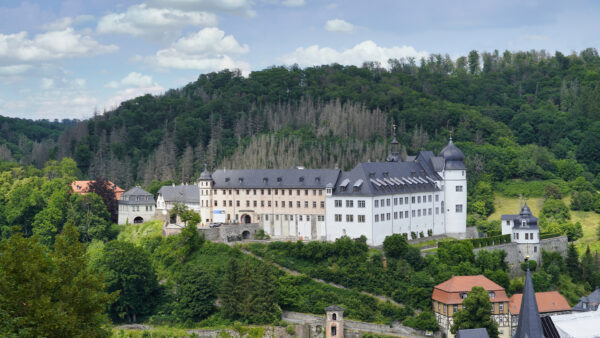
<point x="516" y="114"/>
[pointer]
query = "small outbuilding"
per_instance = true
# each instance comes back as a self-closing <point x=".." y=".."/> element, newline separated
<point x="136" y="206"/>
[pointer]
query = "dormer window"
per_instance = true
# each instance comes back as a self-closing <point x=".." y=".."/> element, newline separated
<point x="265" y="180"/>
<point x="463" y="295"/>
<point x="301" y="179"/>
<point x="279" y="179"/>
<point x="523" y="223"/>
<point x="226" y="179"/>
<point x="241" y="179"/>
<point x="343" y="188"/>
<point x="356" y="188"/>
<point x="317" y="179"/>
<point x="386" y="174"/>
<point x="492" y="294"/>
<point x="371" y="175"/>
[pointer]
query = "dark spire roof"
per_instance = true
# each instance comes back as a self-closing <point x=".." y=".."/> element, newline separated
<point x="205" y="175"/>
<point x="334" y="308"/>
<point x="530" y="325"/>
<point x="395" y="155"/>
<point x="451" y="152"/>
<point x="525" y="211"/>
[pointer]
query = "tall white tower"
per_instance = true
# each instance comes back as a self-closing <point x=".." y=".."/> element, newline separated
<point x="455" y="190"/>
<point x="205" y="183"/>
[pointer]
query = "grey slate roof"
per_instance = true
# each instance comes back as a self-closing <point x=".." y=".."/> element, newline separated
<point x="530" y="324"/>
<point x="384" y="178"/>
<point x="472" y="333"/>
<point x="180" y="193"/>
<point x="205" y="175"/>
<point x="274" y="178"/>
<point x="334" y="308"/>
<point x="531" y="222"/>
<point x="592" y="300"/>
<point x="135" y="196"/>
<point x="453" y="156"/>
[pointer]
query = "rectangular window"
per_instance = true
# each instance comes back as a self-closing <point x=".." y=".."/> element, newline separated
<point x="361" y="218"/>
<point x="282" y="192"/>
<point x="459" y="188"/>
<point x="412" y="199"/>
<point x="437" y="210"/>
<point x="320" y="218"/>
<point x="406" y="200"/>
<point x="298" y="204"/>
<point x="338" y="217"/>
<point x="290" y="204"/>
<point x="349" y="204"/>
<point x="361" y="204"/>
<point x="291" y="217"/>
<point x="322" y="204"/>
<point x="338" y="203"/>
<point x="376" y="218"/>
<point x="387" y="202"/>
<point x="349" y="218"/>
<point x="376" y="203"/>
<point x="406" y="214"/>
<point x="387" y="216"/>
<point x="237" y="203"/>
<point x="454" y="308"/>
<point x="437" y="198"/>
<point x="306" y="204"/>
<point x="230" y="203"/>
<point x="501" y="305"/>
<point x="419" y="212"/>
<point x="526" y="235"/>
<point x="395" y="200"/>
<point x="276" y="216"/>
<point x="535" y="249"/>
<point x="429" y="212"/>
<point x="255" y="203"/>
<point x="414" y="213"/>
<point x="320" y="192"/>
<point x="298" y="192"/>
<point x="395" y="215"/>
<point x="300" y="218"/>
<point x="269" y="204"/>
<point x="314" y="204"/>
<point x="247" y="203"/>
<point x="262" y="204"/>
<point x="429" y="198"/>
<point x="307" y="218"/>
<point x="306" y="192"/>
<point x="262" y="191"/>
<point x="459" y="208"/>
<point x="401" y="215"/>
<point x="266" y="217"/>
<point x="418" y="199"/>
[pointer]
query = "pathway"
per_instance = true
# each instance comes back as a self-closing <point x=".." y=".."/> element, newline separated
<point x="296" y="273"/>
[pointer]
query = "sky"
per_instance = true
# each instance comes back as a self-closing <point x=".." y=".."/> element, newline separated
<point x="72" y="58"/>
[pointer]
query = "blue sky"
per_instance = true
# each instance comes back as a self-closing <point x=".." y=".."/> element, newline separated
<point x="67" y="59"/>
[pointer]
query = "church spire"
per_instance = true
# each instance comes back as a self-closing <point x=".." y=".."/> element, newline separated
<point x="395" y="155"/>
<point x="530" y="324"/>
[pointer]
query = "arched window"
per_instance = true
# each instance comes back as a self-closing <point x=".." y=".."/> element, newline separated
<point x="334" y="316"/>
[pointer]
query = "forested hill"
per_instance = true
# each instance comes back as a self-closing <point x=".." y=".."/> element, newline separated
<point x="516" y="115"/>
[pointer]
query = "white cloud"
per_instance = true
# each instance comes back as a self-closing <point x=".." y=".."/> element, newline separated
<point x="141" y="20"/>
<point x="364" y="51"/>
<point x="132" y="79"/>
<point x="243" y="7"/>
<point x="50" y="46"/>
<point x="131" y="93"/>
<point x="14" y="69"/>
<point x="207" y="50"/>
<point x="293" y="3"/>
<point x="47" y="83"/>
<point x="66" y="22"/>
<point x="339" y="25"/>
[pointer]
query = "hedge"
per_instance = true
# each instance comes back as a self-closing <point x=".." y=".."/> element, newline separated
<point x="550" y="235"/>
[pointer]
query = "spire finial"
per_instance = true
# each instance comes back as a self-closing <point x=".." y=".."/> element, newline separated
<point x="205" y="167"/>
<point x="451" y="132"/>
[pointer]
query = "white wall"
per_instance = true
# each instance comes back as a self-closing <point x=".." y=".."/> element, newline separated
<point x="456" y="222"/>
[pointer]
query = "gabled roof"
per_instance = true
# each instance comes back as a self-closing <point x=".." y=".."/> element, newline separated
<point x="530" y="324"/>
<point x="180" y="193"/>
<point x="334" y="308"/>
<point x="449" y="292"/>
<point x="385" y="178"/>
<point x="472" y="333"/>
<point x="294" y="178"/>
<point x="591" y="299"/>
<point x="551" y="301"/>
<point x="83" y="187"/>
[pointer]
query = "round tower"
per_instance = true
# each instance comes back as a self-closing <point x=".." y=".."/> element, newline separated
<point x="455" y="190"/>
<point x="205" y="184"/>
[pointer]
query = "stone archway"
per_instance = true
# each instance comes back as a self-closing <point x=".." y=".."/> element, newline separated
<point x="138" y="220"/>
<point x="246" y="219"/>
<point x="246" y="234"/>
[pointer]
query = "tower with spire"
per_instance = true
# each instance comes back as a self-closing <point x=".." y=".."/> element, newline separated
<point x="205" y="184"/>
<point x="454" y="174"/>
<point x="395" y="154"/>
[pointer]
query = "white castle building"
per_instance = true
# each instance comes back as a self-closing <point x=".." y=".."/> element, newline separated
<point x="419" y="196"/>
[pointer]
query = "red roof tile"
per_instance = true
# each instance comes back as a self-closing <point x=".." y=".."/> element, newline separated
<point x="551" y="301"/>
<point x="449" y="291"/>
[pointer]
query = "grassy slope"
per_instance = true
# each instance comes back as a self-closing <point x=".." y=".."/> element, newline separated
<point x="133" y="233"/>
<point x="589" y="220"/>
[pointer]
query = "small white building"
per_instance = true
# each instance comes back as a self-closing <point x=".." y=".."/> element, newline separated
<point x="188" y="195"/>
<point x="523" y="230"/>
<point x="136" y="206"/>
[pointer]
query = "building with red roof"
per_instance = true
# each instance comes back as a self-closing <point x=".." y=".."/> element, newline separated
<point x="448" y="296"/>
<point x="83" y="187"/>
<point x="548" y="303"/>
